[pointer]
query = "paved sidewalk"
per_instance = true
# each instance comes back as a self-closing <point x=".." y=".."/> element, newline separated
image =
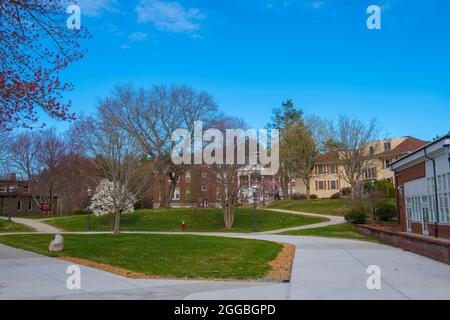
<point x="323" y="269"/>
<point x="36" y="225"/>
<point x="333" y="220"/>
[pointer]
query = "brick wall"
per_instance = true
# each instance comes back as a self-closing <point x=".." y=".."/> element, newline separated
<point x="433" y="248"/>
<point x="411" y="173"/>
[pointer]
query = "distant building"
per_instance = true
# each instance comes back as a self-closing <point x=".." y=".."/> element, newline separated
<point x="15" y="198"/>
<point x="197" y="187"/>
<point x="423" y="184"/>
<point x="327" y="176"/>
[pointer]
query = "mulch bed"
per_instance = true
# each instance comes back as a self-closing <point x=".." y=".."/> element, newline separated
<point x="282" y="265"/>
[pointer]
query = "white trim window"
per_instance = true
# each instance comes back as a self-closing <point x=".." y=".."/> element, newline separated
<point x="176" y="194"/>
<point x="188" y="176"/>
<point x="333" y="185"/>
<point x="370" y="173"/>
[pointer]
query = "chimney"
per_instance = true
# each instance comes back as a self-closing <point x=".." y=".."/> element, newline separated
<point x="12" y="177"/>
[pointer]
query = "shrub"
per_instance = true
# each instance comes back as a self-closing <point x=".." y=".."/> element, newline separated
<point x="356" y="216"/>
<point x="346" y="192"/>
<point x="385" y="187"/>
<point x="385" y="211"/>
<point x="313" y="197"/>
<point x="337" y="195"/>
<point x="79" y="212"/>
<point x="299" y="196"/>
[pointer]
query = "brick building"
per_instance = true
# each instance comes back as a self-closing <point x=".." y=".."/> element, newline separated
<point x="15" y="198"/>
<point x="197" y="187"/>
<point x="423" y="184"/>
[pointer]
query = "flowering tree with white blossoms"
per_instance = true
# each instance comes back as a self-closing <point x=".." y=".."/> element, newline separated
<point x="109" y="199"/>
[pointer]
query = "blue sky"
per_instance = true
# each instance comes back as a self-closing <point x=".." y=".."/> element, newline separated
<point x="252" y="54"/>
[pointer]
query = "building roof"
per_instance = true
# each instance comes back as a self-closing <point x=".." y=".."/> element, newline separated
<point x="420" y="153"/>
<point x="410" y="144"/>
<point x="329" y="157"/>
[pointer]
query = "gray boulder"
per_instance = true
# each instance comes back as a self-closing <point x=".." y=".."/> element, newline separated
<point x="56" y="244"/>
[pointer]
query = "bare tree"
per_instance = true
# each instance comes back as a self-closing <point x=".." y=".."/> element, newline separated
<point x="228" y="176"/>
<point x="151" y="116"/>
<point x="118" y="157"/>
<point x="4" y="151"/>
<point x="353" y="140"/>
<point x="24" y="151"/>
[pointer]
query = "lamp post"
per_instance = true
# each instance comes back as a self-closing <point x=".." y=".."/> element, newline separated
<point x="372" y="186"/>
<point x="88" y="218"/>
<point x="255" y="225"/>
<point x="10" y="191"/>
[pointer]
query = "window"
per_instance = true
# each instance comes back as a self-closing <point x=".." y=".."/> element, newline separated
<point x="204" y="187"/>
<point x="387" y="162"/>
<point x="387" y="146"/>
<point x="370" y="173"/>
<point x="3" y="188"/>
<point x="30" y="205"/>
<point x="321" y="185"/>
<point x="26" y="189"/>
<point x="19" y="205"/>
<point x="204" y="174"/>
<point x="176" y="194"/>
<point x="188" y="194"/>
<point x="188" y="176"/>
<point x="332" y="168"/>
<point x="371" y="150"/>
<point x="319" y="169"/>
<point x="333" y="184"/>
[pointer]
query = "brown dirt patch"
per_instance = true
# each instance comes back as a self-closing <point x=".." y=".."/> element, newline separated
<point x="282" y="265"/>
<point x="108" y="268"/>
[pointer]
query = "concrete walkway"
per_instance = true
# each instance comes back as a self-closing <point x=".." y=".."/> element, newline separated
<point x="36" y="225"/>
<point x="332" y="220"/>
<point x="323" y="269"/>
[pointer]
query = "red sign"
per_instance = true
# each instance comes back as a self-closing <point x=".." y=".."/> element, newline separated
<point x="46" y="207"/>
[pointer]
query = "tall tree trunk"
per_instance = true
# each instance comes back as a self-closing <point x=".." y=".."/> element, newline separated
<point x="116" y="223"/>
<point x="308" y="188"/>
<point x="228" y="214"/>
<point x="173" y="185"/>
<point x="285" y="188"/>
<point x="162" y="192"/>
<point x="354" y="191"/>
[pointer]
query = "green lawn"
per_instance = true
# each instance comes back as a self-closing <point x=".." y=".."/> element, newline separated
<point x="172" y="256"/>
<point x="345" y="231"/>
<point x="6" y="226"/>
<point x="338" y="207"/>
<point x="202" y="220"/>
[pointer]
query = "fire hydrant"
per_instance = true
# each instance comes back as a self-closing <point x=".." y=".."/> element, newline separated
<point x="183" y="226"/>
